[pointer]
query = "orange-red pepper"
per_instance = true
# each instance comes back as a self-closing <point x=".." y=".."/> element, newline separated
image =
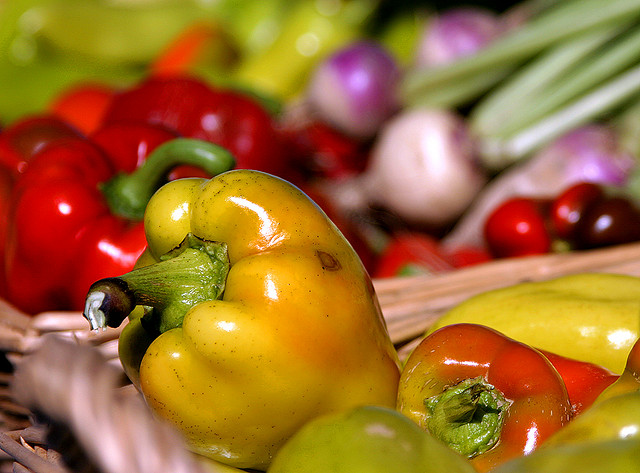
<point x="487" y="396"/>
<point x="584" y="381"/>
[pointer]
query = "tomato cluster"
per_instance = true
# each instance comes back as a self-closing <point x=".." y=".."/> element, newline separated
<point x="584" y="216"/>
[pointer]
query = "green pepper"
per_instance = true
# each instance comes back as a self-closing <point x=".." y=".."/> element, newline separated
<point x="366" y="439"/>
<point x="615" y="418"/>
<point x="259" y="316"/>
<point x="629" y="380"/>
<point x="311" y="31"/>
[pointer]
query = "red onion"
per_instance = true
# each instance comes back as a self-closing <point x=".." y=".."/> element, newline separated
<point x="355" y="88"/>
<point x="456" y="33"/>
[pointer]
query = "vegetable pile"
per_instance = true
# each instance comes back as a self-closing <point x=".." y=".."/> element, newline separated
<point x="227" y="189"/>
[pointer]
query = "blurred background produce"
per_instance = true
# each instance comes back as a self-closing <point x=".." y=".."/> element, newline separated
<point x="414" y="125"/>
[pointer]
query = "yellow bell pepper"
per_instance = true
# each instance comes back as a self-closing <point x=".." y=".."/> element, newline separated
<point x="592" y="317"/>
<point x="259" y="316"/>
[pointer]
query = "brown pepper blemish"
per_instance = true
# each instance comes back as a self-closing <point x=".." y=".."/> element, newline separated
<point x="328" y="261"/>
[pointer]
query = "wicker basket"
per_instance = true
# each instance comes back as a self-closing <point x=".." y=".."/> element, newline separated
<point x="68" y="407"/>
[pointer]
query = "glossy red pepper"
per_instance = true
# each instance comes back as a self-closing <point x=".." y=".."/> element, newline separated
<point x="584" y="381"/>
<point x="486" y="395"/>
<point x="194" y="109"/>
<point x="83" y="105"/>
<point x="76" y="218"/>
<point x="23" y="138"/>
<point x="6" y="184"/>
<point x="129" y="144"/>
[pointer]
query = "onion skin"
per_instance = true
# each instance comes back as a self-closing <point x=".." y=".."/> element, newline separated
<point x="423" y="167"/>
<point x="354" y="88"/>
<point x="456" y="33"/>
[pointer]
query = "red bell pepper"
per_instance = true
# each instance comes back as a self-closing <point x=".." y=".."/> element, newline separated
<point x="23" y="138"/>
<point x="129" y="144"/>
<point x="194" y="109"/>
<point x="488" y="396"/>
<point x="83" y="105"/>
<point x="6" y="184"/>
<point x="584" y="381"/>
<point x="76" y="217"/>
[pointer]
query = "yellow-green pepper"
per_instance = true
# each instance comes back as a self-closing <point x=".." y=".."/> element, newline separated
<point x="311" y="31"/>
<point x="259" y="316"/>
<point x="366" y="439"/>
<point x="592" y="317"/>
<point x="628" y="381"/>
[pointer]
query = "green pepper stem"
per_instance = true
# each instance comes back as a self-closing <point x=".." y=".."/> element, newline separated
<point x="194" y="272"/>
<point x="468" y="416"/>
<point x="128" y="194"/>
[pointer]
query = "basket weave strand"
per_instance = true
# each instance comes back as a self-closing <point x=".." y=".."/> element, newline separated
<point x="72" y="384"/>
<point x="412" y="304"/>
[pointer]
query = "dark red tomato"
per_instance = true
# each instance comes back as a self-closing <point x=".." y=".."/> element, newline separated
<point x="570" y="206"/>
<point x="21" y="140"/>
<point x="612" y="221"/>
<point x="194" y="109"/>
<point x="518" y="227"/>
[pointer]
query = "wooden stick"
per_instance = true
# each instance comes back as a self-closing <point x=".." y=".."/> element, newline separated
<point x="26" y="457"/>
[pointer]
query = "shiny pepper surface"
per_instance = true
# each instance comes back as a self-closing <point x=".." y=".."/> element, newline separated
<point x="296" y="333"/>
<point x="486" y="395"/>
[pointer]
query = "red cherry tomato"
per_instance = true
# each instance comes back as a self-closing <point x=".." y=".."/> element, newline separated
<point x="570" y="206"/>
<point x="611" y="221"/>
<point x="517" y="227"/>
<point x="411" y="253"/>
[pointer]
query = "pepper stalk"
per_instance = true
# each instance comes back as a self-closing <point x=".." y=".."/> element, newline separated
<point x="194" y="272"/>
<point x="128" y="194"/>
<point x="467" y="416"/>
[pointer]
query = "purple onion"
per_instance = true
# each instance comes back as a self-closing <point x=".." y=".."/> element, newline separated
<point x="456" y="33"/>
<point x="591" y="153"/>
<point x="354" y="89"/>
